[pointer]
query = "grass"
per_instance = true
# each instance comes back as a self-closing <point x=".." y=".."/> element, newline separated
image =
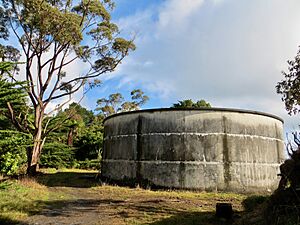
<point x="68" y="178"/>
<point x="18" y="199"/>
<point x="22" y="198"/>
<point x="140" y="206"/>
<point x="73" y="192"/>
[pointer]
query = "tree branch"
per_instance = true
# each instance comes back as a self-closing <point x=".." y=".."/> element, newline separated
<point x="46" y="102"/>
<point x="67" y="63"/>
<point x="14" y="120"/>
<point x="68" y="93"/>
<point x="62" y="121"/>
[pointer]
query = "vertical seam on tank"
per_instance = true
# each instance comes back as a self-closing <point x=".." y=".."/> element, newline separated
<point x="139" y="151"/>
<point x="226" y="163"/>
<point x="103" y="154"/>
<point x="182" y="165"/>
<point x="277" y="145"/>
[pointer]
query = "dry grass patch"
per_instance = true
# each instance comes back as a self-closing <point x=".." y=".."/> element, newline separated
<point x="139" y="206"/>
<point x="76" y="197"/>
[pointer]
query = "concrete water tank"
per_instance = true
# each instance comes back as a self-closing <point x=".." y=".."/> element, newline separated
<point x="204" y="149"/>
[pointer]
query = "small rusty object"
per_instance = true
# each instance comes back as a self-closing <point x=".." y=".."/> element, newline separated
<point x="224" y="210"/>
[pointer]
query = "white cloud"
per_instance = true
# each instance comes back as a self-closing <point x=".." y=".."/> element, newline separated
<point x="174" y="13"/>
<point x="73" y="70"/>
<point x="230" y="52"/>
<point x="218" y="2"/>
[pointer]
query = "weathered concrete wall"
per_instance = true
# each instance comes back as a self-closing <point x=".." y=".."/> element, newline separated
<point x="211" y="149"/>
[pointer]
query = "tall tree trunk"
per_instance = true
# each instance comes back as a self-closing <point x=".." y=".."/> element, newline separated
<point x="34" y="153"/>
<point x="70" y="137"/>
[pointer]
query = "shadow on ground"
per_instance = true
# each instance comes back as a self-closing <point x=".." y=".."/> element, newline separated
<point x="7" y="221"/>
<point x="69" y="179"/>
<point x="89" y="206"/>
<point x="161" y="213"/>
<point x="192" y="218"/>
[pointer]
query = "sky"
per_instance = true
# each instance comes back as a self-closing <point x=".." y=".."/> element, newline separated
<point x="229" y="52"/>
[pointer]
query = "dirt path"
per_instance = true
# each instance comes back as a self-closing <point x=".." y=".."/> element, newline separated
<point x="112" y="205"/>
<point x="108" y="205"/>
<point x="84" y="207"/>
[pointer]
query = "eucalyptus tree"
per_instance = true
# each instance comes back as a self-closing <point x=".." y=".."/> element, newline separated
<point x="289" y="87"/>
<point x="52" y="35"/>
<point x="188" y="103"/>
<point x="116" y="103"/>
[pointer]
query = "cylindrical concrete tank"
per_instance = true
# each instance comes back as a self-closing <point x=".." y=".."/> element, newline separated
<point x="205" y="149"/>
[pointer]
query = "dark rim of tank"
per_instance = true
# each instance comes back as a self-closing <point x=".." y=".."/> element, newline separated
<point x="196" y="109"/>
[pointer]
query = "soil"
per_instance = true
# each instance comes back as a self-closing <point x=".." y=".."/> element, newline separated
<point x="88" y="205"/>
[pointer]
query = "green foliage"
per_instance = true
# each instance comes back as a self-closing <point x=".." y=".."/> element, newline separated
<point x="65" y="25"/>
<point x="57" y="155"/>
<point x="110" y="105"/>
<point x="188" y="103"/>
<point x="87" y="116"/>
<point x="86" y="132"/>
<point x="11" y="54"/>
<point x="4" y="33"/>
<point x="12" y="93"/>
<point x="13" y="146"/>
<point x="71" y="122"/>
<point x="289" y="87"/>
<point x="93" y="164"/>
<point x="89" y="142"/>
<point x="73" y="31"/>
<point x="139" y="97"/>
<point x="115" y="103"/>
<point x="5" y="124"/>
<point x="13" y="105"/>
<point x="10" y="163"/>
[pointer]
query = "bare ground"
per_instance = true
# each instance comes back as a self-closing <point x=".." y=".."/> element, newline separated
<point x="83" y="203"/>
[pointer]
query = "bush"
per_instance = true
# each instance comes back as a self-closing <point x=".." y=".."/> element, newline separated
<point x="13" y="155"/>
<point x="93" y="164"/>
<point x="57" y="155"/>
<point x="89" y="143"/>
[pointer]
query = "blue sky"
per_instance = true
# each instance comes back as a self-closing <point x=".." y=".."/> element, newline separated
<point x="228" y="52"/>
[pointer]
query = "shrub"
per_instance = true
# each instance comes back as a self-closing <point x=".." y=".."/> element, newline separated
<point x="57" y="155"/>
<point x="13" y="155"/>
<point x="93" y="164"/>
<point x="89" y="143"/>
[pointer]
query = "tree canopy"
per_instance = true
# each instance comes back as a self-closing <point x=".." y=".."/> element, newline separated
<point x="188" y="103"/>
<point x="116" y="103"/>
<point x="12" y="95"/>
<point x="53" y="35"/>
<point x="289" y="87"/>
